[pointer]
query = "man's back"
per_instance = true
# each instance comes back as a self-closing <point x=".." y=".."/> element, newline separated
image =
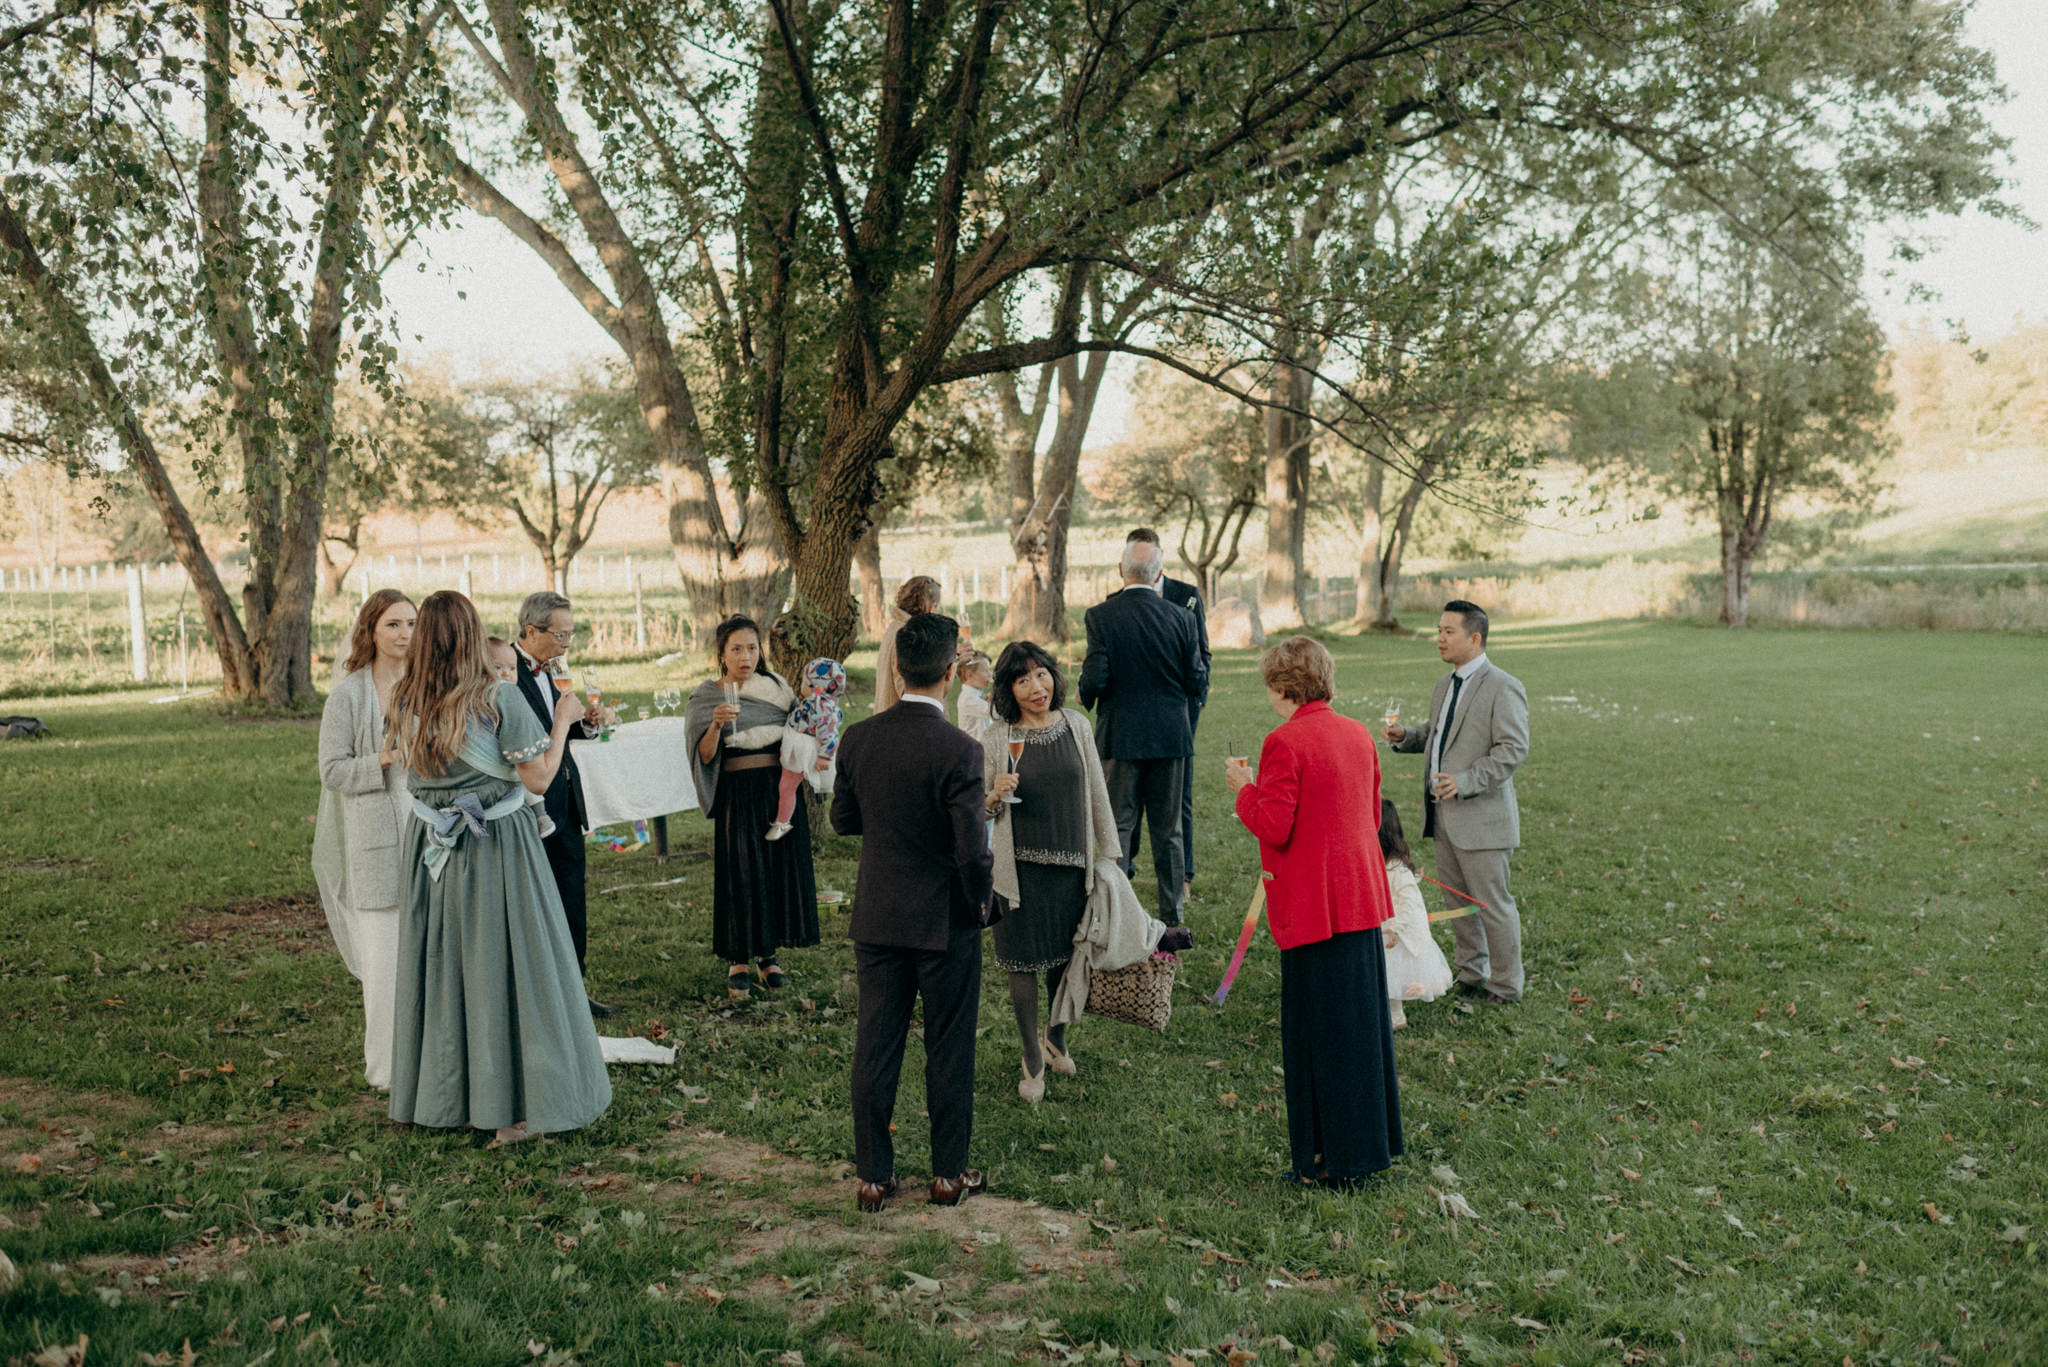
<point x="910" y="785"/>
<point x="1143" y="672"/>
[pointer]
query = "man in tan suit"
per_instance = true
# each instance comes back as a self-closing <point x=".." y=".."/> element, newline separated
<point x="1475" y="738"/>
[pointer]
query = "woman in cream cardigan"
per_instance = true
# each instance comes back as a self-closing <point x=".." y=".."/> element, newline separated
<point x="1046" y="843"/>
<point x="363" y="804"/>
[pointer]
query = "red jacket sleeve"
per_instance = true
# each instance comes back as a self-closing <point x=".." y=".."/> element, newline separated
<point x="1267" y="805"/>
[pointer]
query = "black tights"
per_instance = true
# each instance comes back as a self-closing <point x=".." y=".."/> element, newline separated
<point x="1024" y="1001"/>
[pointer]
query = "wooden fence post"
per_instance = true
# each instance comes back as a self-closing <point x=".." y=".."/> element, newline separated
<point x="138" y="630"/>
<point x="639" y="616"/>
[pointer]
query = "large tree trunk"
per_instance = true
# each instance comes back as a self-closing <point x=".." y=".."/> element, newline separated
<point x="867" y="563"/>
<point x="1386" y="570"/>
<point x="1287" y="476"/>
<point x="1363" y="606"/>
<point x="1040" y="542"/>
<point x="1735" y="570"/>
<point x="1743" y="506"/>
<point x="702" y="544"/>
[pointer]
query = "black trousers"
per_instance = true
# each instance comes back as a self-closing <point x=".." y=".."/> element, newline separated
<point x="1187" y="805"/>
<point x="1154" y="790"/>
<point x="891" y="980"/>
<point x="565" y="858"/>
<point x="1337" y="1052"/>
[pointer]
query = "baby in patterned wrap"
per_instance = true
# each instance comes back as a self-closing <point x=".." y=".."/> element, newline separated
<point x="810" y="739"/>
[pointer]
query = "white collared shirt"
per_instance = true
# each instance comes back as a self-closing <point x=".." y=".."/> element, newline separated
<point x="1156" y="586"/>
<point x="1464" y="671"/>
<point x="926" y="699"/>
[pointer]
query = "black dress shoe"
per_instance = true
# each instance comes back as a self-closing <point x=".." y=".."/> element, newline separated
<point x="598" y="1010"/>
<point x="951" y="1191"/>
<point x="1496" y="999"/>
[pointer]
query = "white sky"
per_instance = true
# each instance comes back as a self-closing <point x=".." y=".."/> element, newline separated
<point x="518" y="318"/>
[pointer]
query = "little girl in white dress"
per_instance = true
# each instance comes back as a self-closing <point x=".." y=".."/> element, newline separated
<point x="1416" y="968"/>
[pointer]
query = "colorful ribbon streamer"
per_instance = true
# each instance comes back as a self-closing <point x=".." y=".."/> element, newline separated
<point x="1244" y="938"/>
<point x="1452" y="914"/>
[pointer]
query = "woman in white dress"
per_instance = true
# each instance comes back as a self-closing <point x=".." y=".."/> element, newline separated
<point x="363" y="803"/>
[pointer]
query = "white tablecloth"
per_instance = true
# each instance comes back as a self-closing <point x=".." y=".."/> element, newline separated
<point x="643" y="771"/>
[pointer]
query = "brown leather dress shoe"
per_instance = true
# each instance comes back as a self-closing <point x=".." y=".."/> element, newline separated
<point x="951" y="1191"/>
<point x="872" y="1196"/>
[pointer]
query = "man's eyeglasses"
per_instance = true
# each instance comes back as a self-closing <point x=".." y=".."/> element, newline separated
<point x="564" y="636"/>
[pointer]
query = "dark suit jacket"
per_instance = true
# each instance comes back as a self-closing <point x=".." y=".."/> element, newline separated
<point x="910" y="787"/>
<point x="1146" y="675"/>
<point x="1182" y="594"/>
<point x="564" y="797"/>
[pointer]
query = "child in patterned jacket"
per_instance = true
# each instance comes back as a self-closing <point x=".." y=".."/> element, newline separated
<point x="810" y="739"/>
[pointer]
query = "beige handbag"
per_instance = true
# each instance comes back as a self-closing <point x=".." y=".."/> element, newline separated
<point x="1141" y="994"/>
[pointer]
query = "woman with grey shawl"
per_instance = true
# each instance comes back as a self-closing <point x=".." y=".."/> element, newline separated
<point x="764" y="895"/>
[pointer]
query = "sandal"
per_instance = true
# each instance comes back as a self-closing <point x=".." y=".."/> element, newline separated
<point x="739" y="985"/>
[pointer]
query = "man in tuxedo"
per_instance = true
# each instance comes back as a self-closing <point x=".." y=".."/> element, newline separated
<point x="1475" y="738"/>
<point x="1144" y="675"/>
<point x="910" y="786"/>
<point x="547" y="624"/>
<point x="1182" y="594"/>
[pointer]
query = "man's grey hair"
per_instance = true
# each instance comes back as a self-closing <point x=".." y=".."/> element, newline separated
<point x="1142" y="562"/>
<point x="536" y="608"/>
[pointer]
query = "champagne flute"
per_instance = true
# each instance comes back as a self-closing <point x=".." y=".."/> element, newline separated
<point x="732" y="695"/>
<point x="1016" y="754"/>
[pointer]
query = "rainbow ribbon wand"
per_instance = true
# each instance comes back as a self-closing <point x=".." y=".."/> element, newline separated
<point x="1454" y="913"/>
<point x="1244" y="938"/>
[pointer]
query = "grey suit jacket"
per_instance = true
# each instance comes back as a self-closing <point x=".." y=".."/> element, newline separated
<point x="363" y="806"/>
<point x="1488" y="741"/>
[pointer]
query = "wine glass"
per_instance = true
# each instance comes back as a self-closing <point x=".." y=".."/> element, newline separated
<point x="643" y="711"/>
<point x="1016" y="754"/>
<point x="732" y="695"/>
<point x="1392" y="715"/>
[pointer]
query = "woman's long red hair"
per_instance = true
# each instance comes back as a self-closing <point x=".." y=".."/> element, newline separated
<point x="362" y="641"/>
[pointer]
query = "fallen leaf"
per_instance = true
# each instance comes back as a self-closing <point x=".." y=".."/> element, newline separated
<point x="1934" y="1214"/>
<point x="62" y="1355"/>
<point x="1631" y="1174"/>
<point x="2011" y="1234"/>
<point x="1455" y="1206"/>
<point x="28" y="1163"/>
<point x="1444" y="1173"/>
<point x="711" y="1293"/>
<point x="1538" y="1325"/>
<point x="1229" y="1099"/>
<point x="924" y="1284"/>
<point x="1909" y="1062"/>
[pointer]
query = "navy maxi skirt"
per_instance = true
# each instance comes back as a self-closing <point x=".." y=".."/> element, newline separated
<point x="1337" y="1050"/>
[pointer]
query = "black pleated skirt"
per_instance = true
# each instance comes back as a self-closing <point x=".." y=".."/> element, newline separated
<point x="1337" y="1049"/>
<point x="763" y="893"/>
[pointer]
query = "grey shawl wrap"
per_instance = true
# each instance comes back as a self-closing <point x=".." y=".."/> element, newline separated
<point x="1115" y="932"/>
<point x="764" y="703"/>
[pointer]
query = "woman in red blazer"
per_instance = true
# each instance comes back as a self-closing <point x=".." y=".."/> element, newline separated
<point x="1315" y="808"/>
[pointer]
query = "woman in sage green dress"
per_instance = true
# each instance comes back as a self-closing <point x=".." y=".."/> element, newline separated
<point x="492" y="1030"/>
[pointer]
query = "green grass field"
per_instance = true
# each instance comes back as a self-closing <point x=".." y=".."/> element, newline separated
<point x="1775" y="1095"/>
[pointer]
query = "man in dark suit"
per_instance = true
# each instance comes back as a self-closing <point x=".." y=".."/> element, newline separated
<point x="910" y="785"/>
<point x="547" y="624"/>
<point x="1144" y="674"/>
<point x="1182" y="594"/>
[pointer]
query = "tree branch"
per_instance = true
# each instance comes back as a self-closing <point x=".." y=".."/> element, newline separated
<point x="488" y="200"/>
<point x="814" y="115"/>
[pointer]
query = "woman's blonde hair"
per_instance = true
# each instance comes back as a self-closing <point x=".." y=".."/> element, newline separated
<point x="1299" y="669"/>
<point x="447" y="681"/>
<point x="362" y="641"/>
<point x="920" y="593"/>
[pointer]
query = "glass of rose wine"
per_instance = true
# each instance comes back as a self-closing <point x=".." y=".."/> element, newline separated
<point x="1016" y="754"/>
<point x="1392" y="715"/>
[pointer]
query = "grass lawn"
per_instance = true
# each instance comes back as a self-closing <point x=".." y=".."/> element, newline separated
<point x="1775" y="1095"/>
